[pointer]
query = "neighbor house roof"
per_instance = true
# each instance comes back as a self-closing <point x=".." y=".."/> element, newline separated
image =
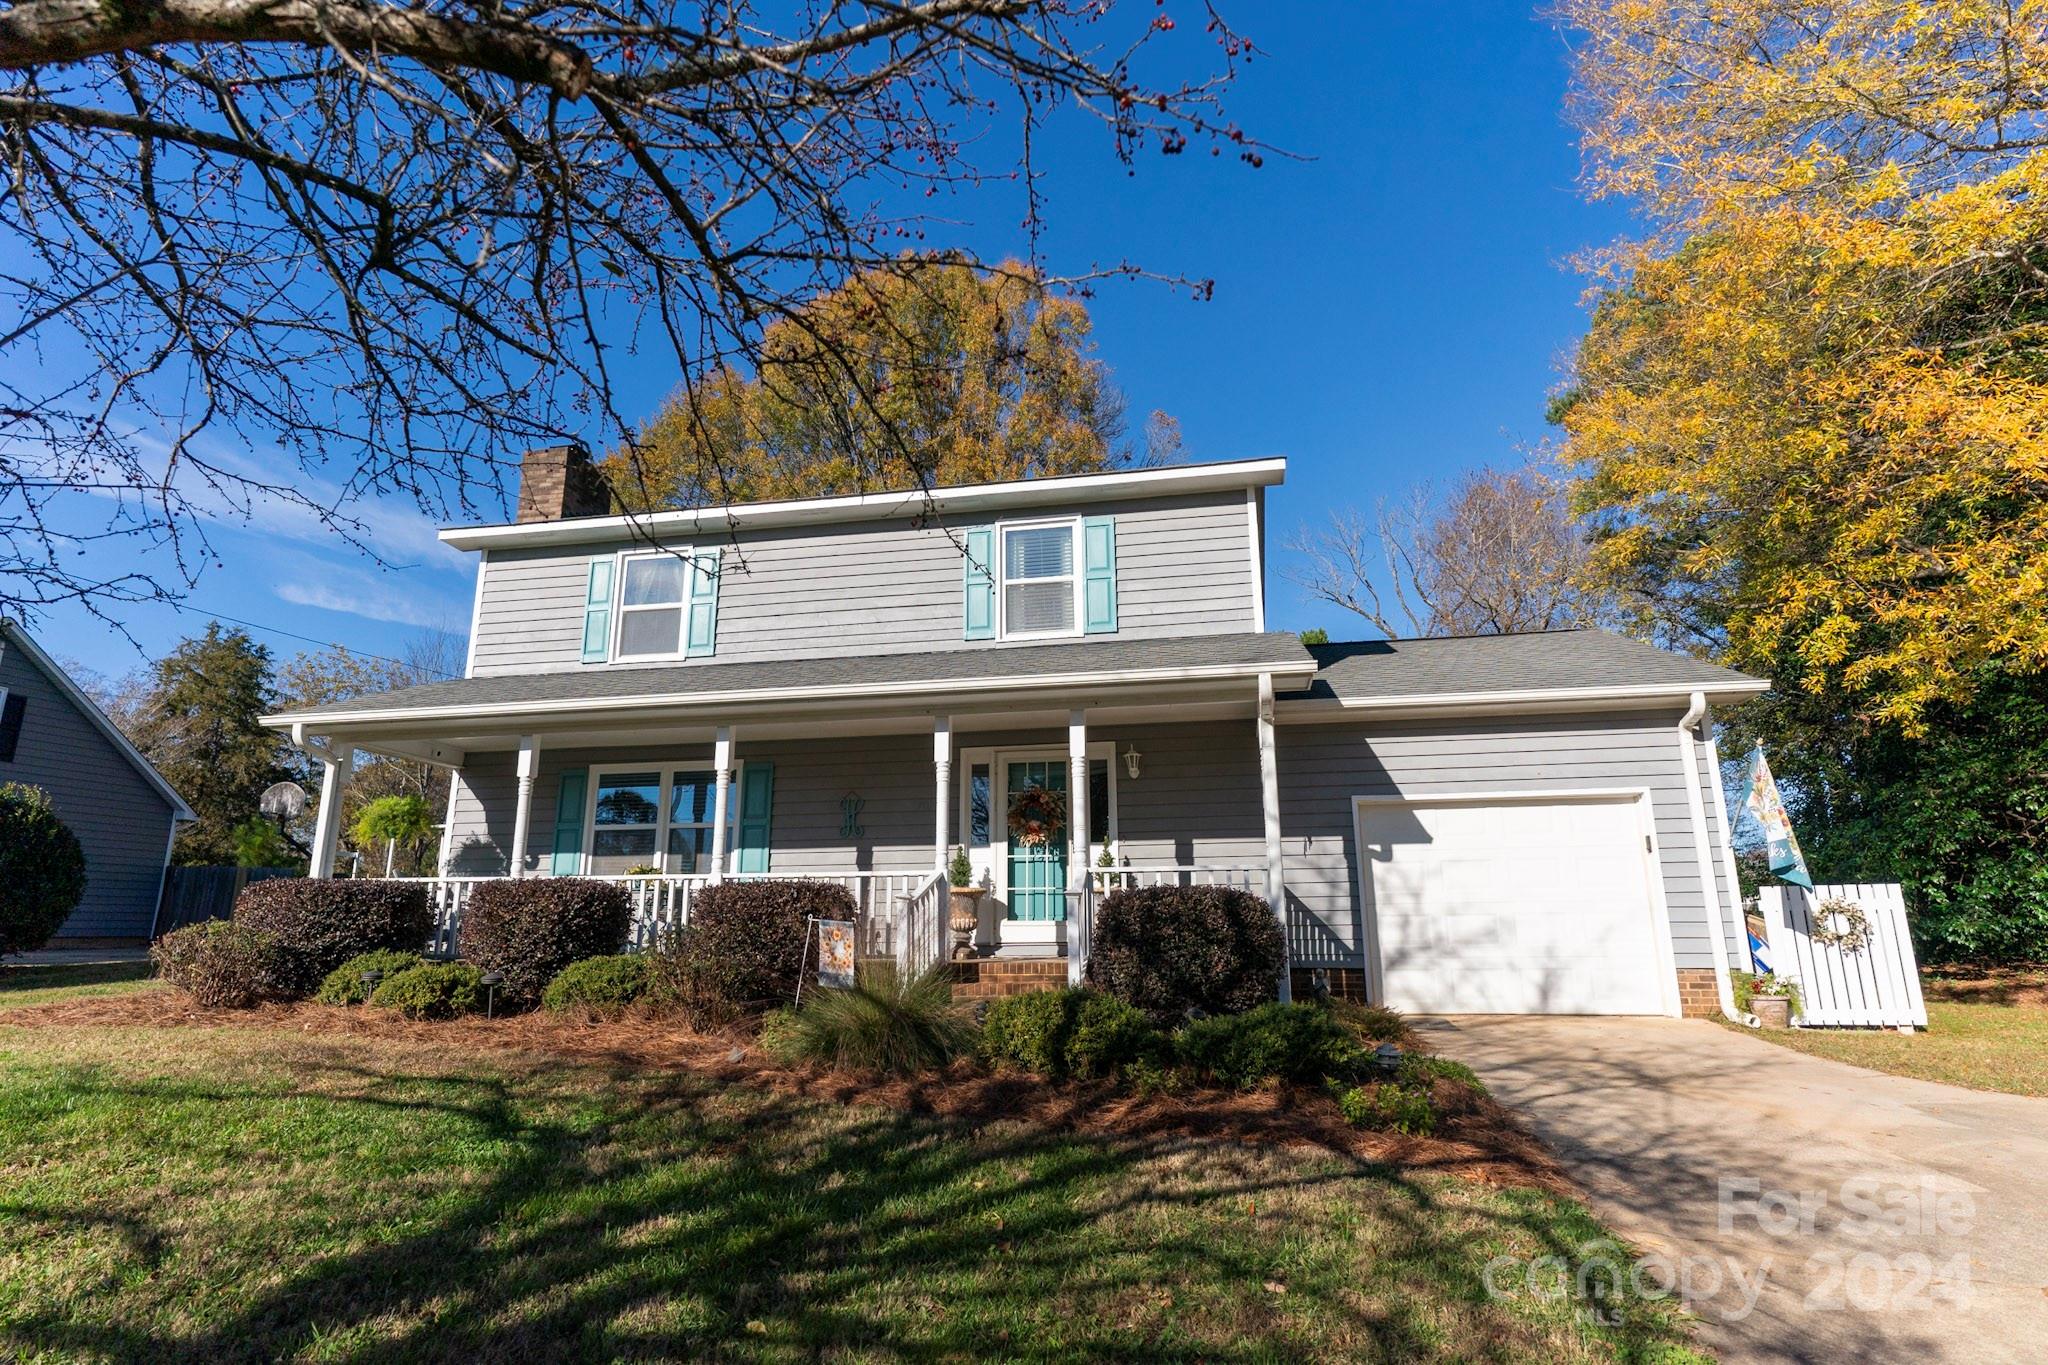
<point x="13" y="636"/>
<point x="1083" y="662"/>
<point x="1563" y="665"/>
<point x="963" y="500"/>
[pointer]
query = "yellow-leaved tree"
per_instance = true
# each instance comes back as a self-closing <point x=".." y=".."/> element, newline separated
<point x="1811" y="412"/>
<point x="923" y="373"/>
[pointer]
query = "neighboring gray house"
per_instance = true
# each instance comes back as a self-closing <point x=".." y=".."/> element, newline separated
<point x="850" y="686"/>
<point x="121" y="809"/>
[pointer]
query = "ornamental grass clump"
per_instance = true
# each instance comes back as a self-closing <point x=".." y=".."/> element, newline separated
<point x="322" y="923"/>
<point x="1173" y="951"/>
<point x="528" y="930"/>
<point x="886" y="1024"/>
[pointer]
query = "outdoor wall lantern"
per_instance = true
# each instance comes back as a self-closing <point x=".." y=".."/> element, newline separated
<point x="1132" y="758"/>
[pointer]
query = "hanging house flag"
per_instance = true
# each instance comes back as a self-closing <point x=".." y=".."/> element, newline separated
<point x="1762" y="801"/>
<point x="835" y="954"/>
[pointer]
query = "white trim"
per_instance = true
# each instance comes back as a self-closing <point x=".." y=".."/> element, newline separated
<point x="1312" y="709"/>
<point x="667" y="768"/>
<point x="1269" y="810"/>
<point x="719" y="521"/>
<point x="455" y="783"/>
<point x="313" y="720"/>
<point x="1076" y="577"/>
<point x="72" y="693"/>
<point x="1730" y="873"/>
<point x="999" y="759"/>
<point x="1653" y="870"/>
<point x="163" y="873"/>
<point x="682" y="554"/>
<point x="1251" y="517"/>
<point x="476" y="614"/>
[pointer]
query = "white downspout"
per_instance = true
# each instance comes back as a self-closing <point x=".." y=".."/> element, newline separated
<point x="1703" y="850"/>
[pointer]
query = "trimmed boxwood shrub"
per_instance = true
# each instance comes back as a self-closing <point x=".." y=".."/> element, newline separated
<point x="1306" y="1044"/>
<point x="530" y="929"/>
<point x="432" y="990"/>
<point x="42" y="869"/>
<point x="344" y="985"/>
<point x="1172" y="950"/>
<point x="1078" y="1033"/>
<point x="225" y="965"/>
<point x="745" y="943"/>
<point x="323" y="923"/>
<point x="597" y="986"/>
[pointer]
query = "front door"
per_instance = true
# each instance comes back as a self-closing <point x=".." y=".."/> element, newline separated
<point x="1037" y="879"/>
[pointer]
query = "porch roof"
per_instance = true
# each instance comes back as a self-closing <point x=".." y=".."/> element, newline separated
<point x="1081" y="663"/>
<point x="1558" y="665"/>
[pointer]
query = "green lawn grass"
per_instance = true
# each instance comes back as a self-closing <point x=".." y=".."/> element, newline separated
<point x="1982" y="1046"/>
<point x="25" y="985"/>
<point x="266" y="1193"/>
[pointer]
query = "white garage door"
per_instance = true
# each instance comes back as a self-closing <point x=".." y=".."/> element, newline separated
<point x="1525" y="907"/>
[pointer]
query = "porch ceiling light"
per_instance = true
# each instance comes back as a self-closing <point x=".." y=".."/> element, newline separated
<point x="1132" y="758"/>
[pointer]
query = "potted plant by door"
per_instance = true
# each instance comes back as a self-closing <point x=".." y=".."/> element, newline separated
<point x="965" y="898"/>
<point x="1772" y="1001"/>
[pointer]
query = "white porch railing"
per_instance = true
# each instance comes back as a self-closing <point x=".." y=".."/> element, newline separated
<point x="1244" y="876"/>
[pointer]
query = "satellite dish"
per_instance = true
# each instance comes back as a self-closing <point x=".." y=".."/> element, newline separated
<point x="283" y="801"/>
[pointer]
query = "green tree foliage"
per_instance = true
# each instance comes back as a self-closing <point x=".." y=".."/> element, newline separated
<point x="42" y="869"/>
<point x="956" y="376"/>
<point x="199" y="726"/>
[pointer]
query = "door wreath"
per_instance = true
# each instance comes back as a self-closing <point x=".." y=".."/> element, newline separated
<point x="1037" y="815"/>
<point x="1854" y="931"/>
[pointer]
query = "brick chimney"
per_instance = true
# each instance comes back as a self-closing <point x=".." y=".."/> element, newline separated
<point x="560" y="481"/>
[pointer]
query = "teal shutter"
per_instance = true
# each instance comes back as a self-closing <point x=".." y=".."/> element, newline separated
<point x="980" y="589"/>
<point x="1098" y="539"/>
<point x="597" y="612"/>
<point x="757" y="810"/>
<point x="568" y="859"/>
<point x="703" y="635"/>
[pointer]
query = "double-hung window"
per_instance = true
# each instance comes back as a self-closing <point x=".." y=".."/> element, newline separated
<point x="651" y="601"/>
<point x="652" y="818"/>
<point x="1040" y="590"/>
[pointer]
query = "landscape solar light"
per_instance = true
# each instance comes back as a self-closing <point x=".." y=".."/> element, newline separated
<point x="490" y="981"/>
<point x="370" y="980"/>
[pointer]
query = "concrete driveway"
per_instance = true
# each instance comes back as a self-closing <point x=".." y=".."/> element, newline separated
<point x="1814" y="1211"/>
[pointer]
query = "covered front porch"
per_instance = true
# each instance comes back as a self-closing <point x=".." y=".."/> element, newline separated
<point x="1168" y="780"/>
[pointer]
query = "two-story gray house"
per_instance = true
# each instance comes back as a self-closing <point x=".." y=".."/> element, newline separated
<point x="852" y="686"/>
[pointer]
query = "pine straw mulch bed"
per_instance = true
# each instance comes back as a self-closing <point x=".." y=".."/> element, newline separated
<point x="1476" y="1138"/>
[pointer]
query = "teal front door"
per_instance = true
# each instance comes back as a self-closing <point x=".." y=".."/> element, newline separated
<point x="1038" y="872"/>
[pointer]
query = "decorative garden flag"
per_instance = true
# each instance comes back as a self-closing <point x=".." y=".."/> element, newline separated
<point x="835" y="954"/>
<point x="1763" y="801"/>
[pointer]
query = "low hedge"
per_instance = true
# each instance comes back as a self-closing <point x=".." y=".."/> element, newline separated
<point x="432" y="990"/>
<point x="745" y="945"/>
<point x="226" y="965"/>
<point x="598" y="987"/>
<point x="42" y="869"/>
<point x="321" y="923"/>
<point x="528" y="930"/>
<point x="1173" y="951"/>
<point x="1077" y="1033"/>
<point x="344" y="985"/>
<point x="1305" y="1044"/>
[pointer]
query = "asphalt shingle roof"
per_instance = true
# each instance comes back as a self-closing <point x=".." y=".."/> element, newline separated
<point x="681" y="681"/>
<point x="1386" y="669"/>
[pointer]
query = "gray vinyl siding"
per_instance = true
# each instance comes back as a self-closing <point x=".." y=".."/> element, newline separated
<point x="1323" y="766"/>
<point x="1184" y="567"/>
<point x="122" y="822"/>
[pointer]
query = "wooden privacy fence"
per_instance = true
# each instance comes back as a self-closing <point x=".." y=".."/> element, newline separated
<point x="1877" y="986"/>
<point x="192" y="895"/>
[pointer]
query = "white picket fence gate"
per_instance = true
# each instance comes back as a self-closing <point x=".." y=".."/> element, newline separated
<point x="1878" y="986"/>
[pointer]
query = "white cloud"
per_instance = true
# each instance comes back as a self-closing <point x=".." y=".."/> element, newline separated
<point x="394" y="602"/>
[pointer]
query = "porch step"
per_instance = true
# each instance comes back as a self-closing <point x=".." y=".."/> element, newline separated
<point x="989" y="977"/>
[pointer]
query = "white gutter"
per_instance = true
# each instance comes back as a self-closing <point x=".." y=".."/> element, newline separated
<point x="974" y="498"/>
<point x="1621" y="692"/>
<point x="1717" y="924"/>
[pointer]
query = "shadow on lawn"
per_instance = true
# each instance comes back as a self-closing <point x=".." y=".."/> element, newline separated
<point x="682" y="1220"/>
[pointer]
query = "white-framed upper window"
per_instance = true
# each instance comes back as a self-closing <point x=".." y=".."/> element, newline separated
<point x="651" y="816"/>
<point x="1040" y="591"/>
<point x="653" y="598"/>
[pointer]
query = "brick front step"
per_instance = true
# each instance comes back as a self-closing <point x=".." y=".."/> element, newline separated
<point x="988" y="978"/>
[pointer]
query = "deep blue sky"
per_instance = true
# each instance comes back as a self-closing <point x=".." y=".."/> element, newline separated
<point x="1394" y="309"/>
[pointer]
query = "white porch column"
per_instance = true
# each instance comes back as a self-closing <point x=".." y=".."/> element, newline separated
<point x="1269" y="800"/>
<point x="1077" y="844"/>
<point x="721" y="805"/>
<point x="942" y="772"/>
<point x="327" y="820"/>
<point x="522" y="812"/>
